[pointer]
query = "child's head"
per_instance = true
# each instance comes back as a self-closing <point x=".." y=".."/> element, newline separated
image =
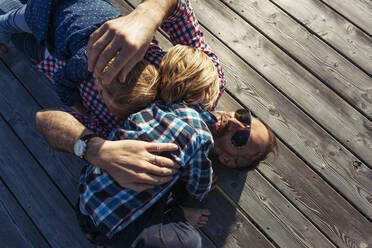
<point x="184" y="73"/>
<point x="241" y="141"/>
<point x="189" y="74"/>
<point x="134" y="94"/>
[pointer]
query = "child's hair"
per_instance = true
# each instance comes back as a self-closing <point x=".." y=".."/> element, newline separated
<point x="184" y="73"/>
<point x="189" y="74"/>
<point x="137" y="91"/>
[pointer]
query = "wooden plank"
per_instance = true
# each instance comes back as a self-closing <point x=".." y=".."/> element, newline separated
<point x="359" y="12"/>
<point x="49" y="210"/>
<point x="13" y="99"/>
<point x="228" y="227"/>
<point x="42" y="89"/>
<point x="331" y="111"/>
<point x="16" y="229"/>
<point x="317" y="147"/>
<point x="336" y="72"/>
<point x="347" y="38"/>
<point x="219" y="49"/>
<point x="284" y="224"/>
<point x="227" y="240"/>
<point x="206" y="242"/>
<point x="305" y="189"/>
<point x="282" y="233"/>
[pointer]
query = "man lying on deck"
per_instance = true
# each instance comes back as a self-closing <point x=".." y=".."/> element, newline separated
<point x="129" y="163"/>
<point x="126" y="218"/>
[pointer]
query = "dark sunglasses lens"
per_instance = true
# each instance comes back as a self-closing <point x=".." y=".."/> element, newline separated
<point x="240" y="138"/>
<point x="244" y="116"/>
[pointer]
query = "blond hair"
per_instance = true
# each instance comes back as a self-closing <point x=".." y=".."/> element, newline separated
<point x="185" y="73"/>
<point x="137" y="91"/>
<point x="189" y="74"/>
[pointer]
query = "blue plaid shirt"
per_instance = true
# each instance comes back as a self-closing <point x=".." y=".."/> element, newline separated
<point x="111" y="207"/>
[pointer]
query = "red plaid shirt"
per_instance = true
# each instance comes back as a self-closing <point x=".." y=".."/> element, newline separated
<point x="182" y="28"/>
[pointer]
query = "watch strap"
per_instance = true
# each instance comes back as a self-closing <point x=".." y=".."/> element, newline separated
<point x="86" y="139"/>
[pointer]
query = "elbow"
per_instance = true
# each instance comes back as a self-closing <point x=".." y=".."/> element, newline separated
<point x="39" y="117"/>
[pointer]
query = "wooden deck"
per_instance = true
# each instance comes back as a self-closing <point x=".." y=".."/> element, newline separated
<point x="303" y="67"/>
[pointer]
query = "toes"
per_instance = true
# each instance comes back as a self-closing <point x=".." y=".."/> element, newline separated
<point x="205" y="212"/>
<point x="203" y="219"/>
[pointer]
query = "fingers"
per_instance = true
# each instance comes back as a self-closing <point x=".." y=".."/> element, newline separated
<point x="157" y="170"/>
<point x="139" y="187"/>
<point x="205" y="212"/>
<point x="164" y="162"/>
<point x="145" y="178"/>
<point x="94" y="37"/>
<point x="127" y="68"/>
<point x="96" y="48"/>
<point x="161" y="147"/>
<point x="116" y="65"/>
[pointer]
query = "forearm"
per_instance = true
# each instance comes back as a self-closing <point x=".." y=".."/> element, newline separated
<point x="158" y="10"/>
<point x="60" y="129"/>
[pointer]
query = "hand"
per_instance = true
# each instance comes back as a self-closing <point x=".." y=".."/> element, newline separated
<point x="128" y="36"/>
<point x="131" y="163"/>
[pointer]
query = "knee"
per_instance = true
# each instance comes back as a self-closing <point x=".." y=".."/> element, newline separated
<point x="192" y="238"/>
<point x="187" y="236"/>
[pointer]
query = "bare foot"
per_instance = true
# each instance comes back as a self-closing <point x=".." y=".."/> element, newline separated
<point x="197" y="217"/>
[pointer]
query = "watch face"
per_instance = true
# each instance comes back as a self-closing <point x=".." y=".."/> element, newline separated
<point x="79" y="148"/>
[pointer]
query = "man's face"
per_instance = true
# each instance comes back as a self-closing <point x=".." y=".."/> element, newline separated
<point x="234" y="156"/>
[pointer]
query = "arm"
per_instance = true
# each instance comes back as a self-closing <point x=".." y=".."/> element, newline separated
<point x="130" y="35"/>
<point x="129" y="162"/>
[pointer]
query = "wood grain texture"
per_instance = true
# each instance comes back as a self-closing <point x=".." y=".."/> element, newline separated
<point x="228" y="227"/>
<point x="49" y="210"/>
<point x="16" y="229"/>
<point x="324" y="221"/>
<point x="221" y="234"/>
<point x="306" y="190"/>
<point x="333" y="28"/>
<point x="358" y="11"/>
<point x="41" y="87"/>
<point x="319" y="149"/>
<point x="280" y="231"/>
<point x="338" y="73"/>
<point x="332" y="112"/>
<point x="14" y="99"/>
<point x="280" y="220"/>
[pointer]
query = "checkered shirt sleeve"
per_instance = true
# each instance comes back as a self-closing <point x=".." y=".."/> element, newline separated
<point x="111" y="207"/>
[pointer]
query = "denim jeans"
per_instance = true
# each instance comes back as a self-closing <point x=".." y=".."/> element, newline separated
<point x="163" y="225"/>
<point x="24" y="42"/>
<point x="28" y="44"/>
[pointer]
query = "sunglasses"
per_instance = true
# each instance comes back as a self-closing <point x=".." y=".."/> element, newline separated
<point x="241" y="137"/>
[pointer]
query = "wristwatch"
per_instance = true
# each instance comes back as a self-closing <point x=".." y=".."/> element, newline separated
<point x="80" y="146"/>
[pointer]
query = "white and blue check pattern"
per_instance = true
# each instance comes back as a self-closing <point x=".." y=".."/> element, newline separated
<point x="111" y="207"/>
